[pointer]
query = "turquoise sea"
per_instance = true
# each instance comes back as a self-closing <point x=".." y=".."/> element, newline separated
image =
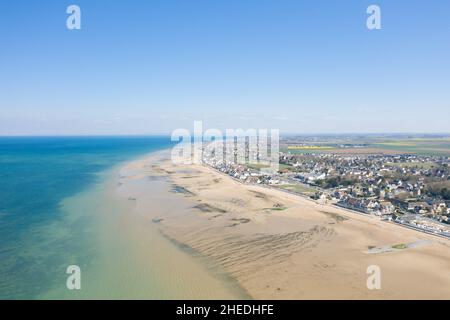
<point x="59" y="206"/>
<point x="37" y="237"/>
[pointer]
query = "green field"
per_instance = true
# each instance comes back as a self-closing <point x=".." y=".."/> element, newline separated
<point x="402" y="145"/>
<point x="259" y="166"/>
<point x="298" y="188"/>
<point x="422" y="147"/>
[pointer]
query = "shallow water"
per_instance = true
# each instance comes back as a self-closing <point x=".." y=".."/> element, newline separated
<point x="59" y="206"/>
<point x="131" y="259"/>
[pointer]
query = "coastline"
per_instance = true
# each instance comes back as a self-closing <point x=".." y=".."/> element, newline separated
<point x="182" y="272"/>
<point x="301" y="250"/>
<point x="129" y="258"/>
<point x="305" y="197"/>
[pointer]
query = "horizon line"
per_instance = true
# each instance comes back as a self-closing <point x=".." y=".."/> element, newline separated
<point x="169" y="134"/>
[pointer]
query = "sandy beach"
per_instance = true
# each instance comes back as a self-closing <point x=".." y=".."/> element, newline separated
<point x="277" y="245"/>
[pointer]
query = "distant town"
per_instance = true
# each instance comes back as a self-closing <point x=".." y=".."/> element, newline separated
<point x="403" y="180"/>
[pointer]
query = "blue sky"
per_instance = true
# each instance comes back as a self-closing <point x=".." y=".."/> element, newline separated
<point x="143" y="67"/>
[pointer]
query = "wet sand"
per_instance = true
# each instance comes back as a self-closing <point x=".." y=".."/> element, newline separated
<point x="277" y="245"/>
<point x="129" y="258"/>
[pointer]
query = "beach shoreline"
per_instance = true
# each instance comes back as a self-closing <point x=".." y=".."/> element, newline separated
<point x="127" y="257"/>
<point x="277" y="245"/>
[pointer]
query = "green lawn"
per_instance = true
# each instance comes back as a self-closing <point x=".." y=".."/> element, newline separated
<point x="298" y="188"/>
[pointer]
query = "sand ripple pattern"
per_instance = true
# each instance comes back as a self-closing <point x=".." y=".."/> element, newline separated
<point x="242" y="256"/>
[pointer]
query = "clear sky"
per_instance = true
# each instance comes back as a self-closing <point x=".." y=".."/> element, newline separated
<point x="143" y="67"/>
